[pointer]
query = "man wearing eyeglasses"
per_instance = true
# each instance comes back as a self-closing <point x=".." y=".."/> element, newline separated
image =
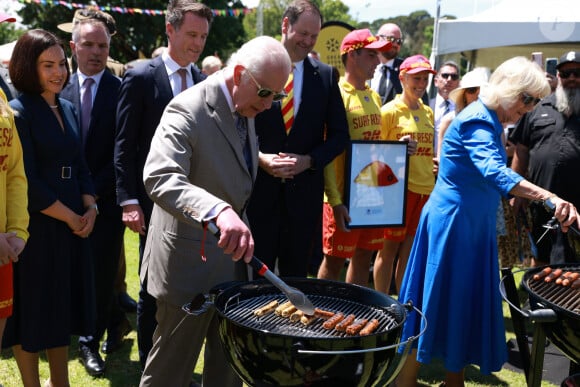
<point x="385" y="80"/>
<point x="446" y="80"/>
<point x="201" y="168"/>
<point x="548" y="153"/>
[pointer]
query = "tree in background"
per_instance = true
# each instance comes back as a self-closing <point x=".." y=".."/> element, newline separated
<point x="139" y="34"/>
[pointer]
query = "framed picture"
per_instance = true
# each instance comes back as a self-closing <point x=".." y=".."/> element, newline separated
<point x="376" y="183"/>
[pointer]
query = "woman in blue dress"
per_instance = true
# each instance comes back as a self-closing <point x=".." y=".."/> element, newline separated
<point x="453" y="273"/>
<point x="53" y="290"/>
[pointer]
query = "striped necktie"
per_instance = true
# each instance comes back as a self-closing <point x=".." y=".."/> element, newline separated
<point x="288" y="103"/>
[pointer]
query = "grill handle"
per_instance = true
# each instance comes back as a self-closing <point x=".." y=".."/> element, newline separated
<point x="535" y="316"/>
<point x="405" y="352"/>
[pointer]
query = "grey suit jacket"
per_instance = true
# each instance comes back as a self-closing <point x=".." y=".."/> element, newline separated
<point x="195" y="163"/>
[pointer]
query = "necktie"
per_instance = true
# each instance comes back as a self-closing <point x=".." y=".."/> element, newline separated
<point x="183" y="74"/>
<point x="242" y="127"/>
<point x="288" y="103"/>
<point x="382" y="90"/>
<point x="446" y="110"/>
<point x="86" y="107"/>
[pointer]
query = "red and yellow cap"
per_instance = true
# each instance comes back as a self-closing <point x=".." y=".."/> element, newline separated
<point x="415" y="64"/>
<point x="363" y="39"/>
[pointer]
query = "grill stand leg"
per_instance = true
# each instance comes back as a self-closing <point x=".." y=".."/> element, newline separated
<point x="518" y="320"/>
<point x="537" y="361"/>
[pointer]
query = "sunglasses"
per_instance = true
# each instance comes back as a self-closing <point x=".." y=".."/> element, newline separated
<point x="472" y="90"/>
<point x="265" y="93"/>
<point x="391" y="39"/>
<point x="565" y="74"/>
<point x="447" y="76"/>
<point x="528" y="99"/>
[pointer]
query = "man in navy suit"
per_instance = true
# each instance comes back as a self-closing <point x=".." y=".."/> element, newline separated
<point x="91" y="37"/>
<point x="145" y="91"/>
<point x="285" y="210"/>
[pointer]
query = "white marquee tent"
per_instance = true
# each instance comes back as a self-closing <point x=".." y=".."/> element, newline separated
<point x="511" y="27"/>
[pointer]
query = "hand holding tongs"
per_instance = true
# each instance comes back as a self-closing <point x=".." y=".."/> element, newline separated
<point x="553" y="224"/>
<point x="296" y="297"/>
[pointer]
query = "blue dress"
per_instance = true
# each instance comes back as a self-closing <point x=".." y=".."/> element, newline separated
<point x="452" y="275"/>
<point x="53" y="280"/>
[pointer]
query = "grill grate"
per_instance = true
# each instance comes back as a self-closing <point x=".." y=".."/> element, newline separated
<point x="242" y="312"/>
<point x="561" y="296"/>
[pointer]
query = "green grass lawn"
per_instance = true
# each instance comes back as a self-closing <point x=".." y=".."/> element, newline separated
<point x="123" y="369"/>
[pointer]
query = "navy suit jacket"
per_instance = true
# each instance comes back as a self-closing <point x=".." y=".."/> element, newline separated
<point x="144" y="94"/>
<point x="320" y="130"/>
<point x="100" y="142"/>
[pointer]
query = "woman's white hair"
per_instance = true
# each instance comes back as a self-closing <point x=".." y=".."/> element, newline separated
<point x="512" y="78"/>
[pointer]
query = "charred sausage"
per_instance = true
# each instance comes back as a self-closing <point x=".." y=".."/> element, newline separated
<point x="331" y="322"/>
<point x="553" y="275"/>
<point x="355" y="327"/>
<point x="569" y="280"/>
<point x="341" y="326"/>
<point x="575" y="284"/>
<point x="542" y="274"/>
<point x="370" y="327"/>
<point x="324" y="314"/>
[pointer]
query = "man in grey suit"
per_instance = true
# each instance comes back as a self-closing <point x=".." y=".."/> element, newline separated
<point x="201" y="167"/>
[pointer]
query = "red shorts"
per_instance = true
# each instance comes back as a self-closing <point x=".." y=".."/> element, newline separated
<point x="6" y="290"/>
<point x="342" y="244"/>
<point x="415" y="203"/>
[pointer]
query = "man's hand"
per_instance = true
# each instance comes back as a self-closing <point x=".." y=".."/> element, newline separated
<point x="411" y="144"/>
<point x="341" y="217"/>
<point x="236" y="238"/>
<point x="134" y="218"/>
<point x="278" y="165"/>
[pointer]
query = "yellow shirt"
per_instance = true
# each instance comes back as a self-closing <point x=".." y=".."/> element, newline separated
<point x="363" y="114"/>
<point x="13" y="184"/>
<point x="398" y="121"/>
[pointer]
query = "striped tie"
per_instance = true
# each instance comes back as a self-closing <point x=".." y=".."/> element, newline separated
<point x="288" y="103"/>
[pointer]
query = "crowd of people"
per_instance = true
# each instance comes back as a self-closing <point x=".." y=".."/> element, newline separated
<point x="258" y="147"/>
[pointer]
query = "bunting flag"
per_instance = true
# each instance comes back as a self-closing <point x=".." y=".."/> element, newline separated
<point x="235" y="12"/>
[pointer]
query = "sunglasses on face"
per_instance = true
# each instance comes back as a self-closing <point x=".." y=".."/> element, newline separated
<point x="447" y="76"/>
<point x="565" y="74"/>
<point x="472" y="90"/>
<point x="529" y="99"/>
<point x="265" y="93"/>
<point x="391" y="39"/>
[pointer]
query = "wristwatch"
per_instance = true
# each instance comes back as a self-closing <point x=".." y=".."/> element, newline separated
<point x="91" y="206"/>
<point x="549" y="204"/>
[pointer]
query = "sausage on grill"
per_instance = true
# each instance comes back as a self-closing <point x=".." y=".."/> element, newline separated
<point x="282" y="306"/>
<point x="355" y="327"/>
<point x="270" y="307"/>
<point x="575" y="284"/>
<point x="341" y="326"/>
<point x="370" y="327"/>
<point x="553" y="275"/>
<point x="569" y="280"/>
<point x="307" y="320"/>
<point x="324" y="314"/>
<point x="331" y="322"/>
<point x="542" y="274"/>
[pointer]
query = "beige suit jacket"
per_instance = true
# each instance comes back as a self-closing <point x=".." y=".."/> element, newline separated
<point x="195" y="163"/>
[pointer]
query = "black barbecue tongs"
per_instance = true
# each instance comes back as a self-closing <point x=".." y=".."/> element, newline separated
<point x="553" y="224"/>
<point x="296" y="297"/>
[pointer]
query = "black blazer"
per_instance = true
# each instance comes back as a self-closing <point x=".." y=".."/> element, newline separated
<point x="100" y="141"/>
<point x="321" y="114"/>
<point x="144" y="93"/>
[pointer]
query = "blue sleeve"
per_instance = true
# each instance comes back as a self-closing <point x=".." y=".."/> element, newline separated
<point x="482" y="141"/>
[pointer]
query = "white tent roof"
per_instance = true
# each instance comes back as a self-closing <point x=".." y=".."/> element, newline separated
<point x="512" y="22"/>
